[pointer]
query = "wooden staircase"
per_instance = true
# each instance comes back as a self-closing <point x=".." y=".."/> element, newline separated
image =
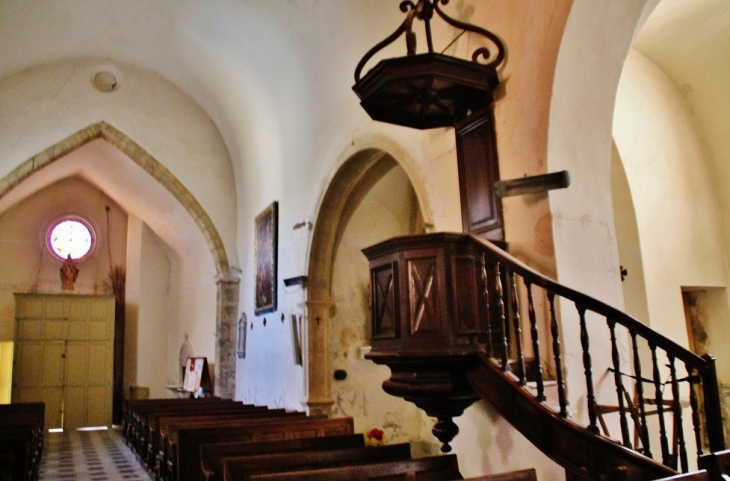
<point x="455" y="318"/>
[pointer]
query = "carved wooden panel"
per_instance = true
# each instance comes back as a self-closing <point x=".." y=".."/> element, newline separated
<point x="476" y="148"/>
<point x="385" y="316"/>
<point x="466" y="289"/>
<point x="422" y="293"/>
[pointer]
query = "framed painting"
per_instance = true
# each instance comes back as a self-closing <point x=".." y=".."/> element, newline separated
<point x="265" y="252"/>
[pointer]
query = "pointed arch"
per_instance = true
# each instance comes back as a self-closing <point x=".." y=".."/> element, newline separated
<point x="352" y="181"/>
<point x="140" y="157"/>
<point x="227" y="284"/>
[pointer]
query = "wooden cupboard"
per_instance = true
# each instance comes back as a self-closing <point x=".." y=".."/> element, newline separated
<point x="64" y="357"/>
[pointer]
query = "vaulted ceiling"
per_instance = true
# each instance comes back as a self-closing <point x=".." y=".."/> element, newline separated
<point x="690" y="41"/>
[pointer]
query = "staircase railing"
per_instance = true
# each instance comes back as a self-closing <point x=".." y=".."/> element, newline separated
<point x="457" y="318"/>
<point x="665" y="354"/>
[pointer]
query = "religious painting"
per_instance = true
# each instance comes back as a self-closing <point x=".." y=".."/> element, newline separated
<point x="265" y="253"/>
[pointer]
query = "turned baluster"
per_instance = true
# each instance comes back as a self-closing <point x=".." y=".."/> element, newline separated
<point x="666" y="459"/>
<point x="518" y="331"/>
<point x="587" y="366"/>
<point x="535" y="342"/>
<point x="693" y="380"/>
<point x="619" y="384"/>
<point x="485" y="283"/>
<point x="502" y="318"/>
<point x="640" y="394"/>
<point x="677" y="408"/>
<point x="711" y="404"/>
<point x="558" y="357"/>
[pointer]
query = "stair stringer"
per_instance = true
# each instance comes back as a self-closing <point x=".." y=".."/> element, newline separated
<point x="572" y="446"/>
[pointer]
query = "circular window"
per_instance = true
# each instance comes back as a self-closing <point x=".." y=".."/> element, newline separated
<point x="70" y="236"/>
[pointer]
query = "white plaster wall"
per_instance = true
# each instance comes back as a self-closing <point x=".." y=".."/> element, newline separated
<point x="389" y="209"/>
<point x="155" y="305"/>
<point x="677" y="212"/>
<point x="45" y="104"/>
<point x="191" y="310"/>
<point x="27" y="266"/>
<point x="164" y="302"/>
<point x="689" y="41"/>
<point x="579" y="140"/>
<point x="629" y="245"/>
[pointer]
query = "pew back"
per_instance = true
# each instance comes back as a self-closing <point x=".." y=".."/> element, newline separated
<point x="436" y="468"/>
<point x="213" y="454"/>
<point x="21" y="440"/>
<point x="186" y="449"/>
<point x="241" y="467"/>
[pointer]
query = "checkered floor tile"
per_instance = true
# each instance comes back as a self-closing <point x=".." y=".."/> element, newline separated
<point x="89" y="455"/>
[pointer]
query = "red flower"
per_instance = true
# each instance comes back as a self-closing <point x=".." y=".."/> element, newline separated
<point x="376" y="434"/>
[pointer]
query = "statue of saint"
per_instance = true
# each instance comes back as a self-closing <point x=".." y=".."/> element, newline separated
<point x="69" y="272"/>
<point x="186" y="351"/>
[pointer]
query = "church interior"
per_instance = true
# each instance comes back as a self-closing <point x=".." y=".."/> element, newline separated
<point x="230" y="180"/>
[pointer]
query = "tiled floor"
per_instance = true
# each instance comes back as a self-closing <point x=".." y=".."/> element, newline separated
<point x="89" y="455"/>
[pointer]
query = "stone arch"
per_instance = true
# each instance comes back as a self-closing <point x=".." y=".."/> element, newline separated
<point x="142" y="158"/>
<point x="227" y="290"/>
<point x="351" y="183"/>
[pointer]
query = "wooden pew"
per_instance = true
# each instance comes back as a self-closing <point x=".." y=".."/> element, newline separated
<point x="170" y="427"/>
<point x="183" y="442"/>
<point x="137" y="411"/>
<point x="150" y="440"/>
<point x="242" y="467"/>
<point x="155" y="455"/>
<point x="521" y="475"/>
<point x="132" y="406"/>
<point x="21" y="440"/>
<point x="212" y="455"/>
<point x="434" y="468"/>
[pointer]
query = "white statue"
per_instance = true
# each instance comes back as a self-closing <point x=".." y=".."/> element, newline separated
<point x="186" y="351"/>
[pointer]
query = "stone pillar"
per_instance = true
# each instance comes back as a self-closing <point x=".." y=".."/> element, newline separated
<point x="226" y="331"/>
<point x="318" y="344"/>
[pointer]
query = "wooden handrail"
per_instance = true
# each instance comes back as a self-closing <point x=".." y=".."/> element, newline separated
<point x="473" y="310"/>
<point x="593" y="304"/>
<point x="700" y="369"/>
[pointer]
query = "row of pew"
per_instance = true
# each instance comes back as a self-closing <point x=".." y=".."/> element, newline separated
<point x="215" y="439"/>
<point x="21" y="440"/>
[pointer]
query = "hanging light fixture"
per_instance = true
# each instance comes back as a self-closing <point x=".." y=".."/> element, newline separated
<point x="430" y="89"/>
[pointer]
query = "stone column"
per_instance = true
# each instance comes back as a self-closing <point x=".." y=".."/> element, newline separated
<point x="318" y="344"/>
<point x="226" y="331"/>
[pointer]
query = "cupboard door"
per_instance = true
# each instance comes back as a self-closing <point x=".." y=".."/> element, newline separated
<point x="65" y="357"/>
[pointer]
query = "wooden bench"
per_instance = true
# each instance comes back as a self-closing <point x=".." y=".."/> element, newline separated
<point x="242" y="467"/>
<point x="183" y="443"/>
<point x="150" y="441"/>
<point x="137" y="412"/>
<point x="21" y="440"/>
<point x="434" y="468"/>
<point x="155" y="453"/>
<point x="212" y="455"/>
<point x="520" y="475"/>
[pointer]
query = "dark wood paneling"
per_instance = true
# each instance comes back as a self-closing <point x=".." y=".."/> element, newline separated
<point x="385" y="315"/>
<point x="423" y="285"/>
<point x="476" y="148"/>
<point x="466" y="289"/>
